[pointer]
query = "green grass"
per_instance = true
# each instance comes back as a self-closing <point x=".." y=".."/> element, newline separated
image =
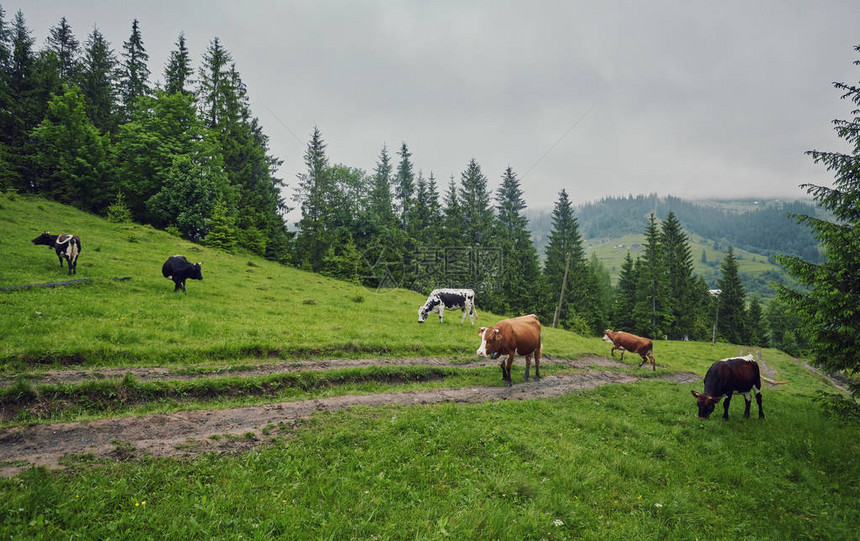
<point x="239" y="310"/>
<point x="619" y="461"/>
<point x="612" y="463"/>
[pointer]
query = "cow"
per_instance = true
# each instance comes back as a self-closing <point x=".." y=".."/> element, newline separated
<point x="449" y="299"/>
<point x="630" y="342"/>
<point x="68" y="246"/>
<point x="727" y="376"/>
<point x="179" y="269"/>
<point x="519" y="335"/>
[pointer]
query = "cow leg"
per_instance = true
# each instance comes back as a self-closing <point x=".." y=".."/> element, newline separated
<point x="505" y="376"/>
<point x="726" y="403"/>
<point x="528" y="366"/>
<point x="537" y="362"/>
<point x="758" y="401"/>
<point x="464" y="316"/>
<point x="653" y="362"/>
<point x="747" y="404"/>
<point x="441" y="311"/>
<point x="510" y="362"/>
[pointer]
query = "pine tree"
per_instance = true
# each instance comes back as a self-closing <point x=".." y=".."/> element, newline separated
<point x="62" y="41"/>
<point x="652" y="311"/>
<point x="452" y="225"/>
<point x="214" y="73"/>
<point x="405" y="182"/>
<point x="474" y="201"/>
<point x="757" y="336"/>
<point x="831" y="308"/>
<point x="222" y="231"/>
<point x="178" y="72"/>
<point x="134" y="77"/>
<point x="26" y="108"/>
<point x="380" y="204"/>
<point x="564" y="249"/>
<point x="625" y="297"/>
<point x="732" y="304"/>
<point x="678" y="261"/>
<point x="521" y="272"/>
<point x="313" y="241"/>
<point x="96" y="82"/>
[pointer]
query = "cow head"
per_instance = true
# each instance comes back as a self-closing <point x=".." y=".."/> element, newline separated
<point x="45" y="239"/>
<point x="424" y="309"/>
<point x="706" y="403"/>
<point x="196" y="273"/>
<point x="606" y="336"/>
<point x="491" y="342"/>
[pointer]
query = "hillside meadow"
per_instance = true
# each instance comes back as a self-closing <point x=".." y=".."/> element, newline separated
<point x="617" y="461"/>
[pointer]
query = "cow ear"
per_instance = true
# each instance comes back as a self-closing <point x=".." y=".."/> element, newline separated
<point x="694" y="393"/>
<point x="199" y="263"/>
<point x="716" y="400"/>
<point x="481" y="330"/>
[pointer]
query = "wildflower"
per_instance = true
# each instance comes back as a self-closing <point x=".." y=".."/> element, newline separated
<point x="143" y="503"/>
<point x="558" y="522"/>
<point x="658" y="505"/>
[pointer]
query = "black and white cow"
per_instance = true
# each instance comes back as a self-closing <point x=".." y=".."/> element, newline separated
<point x="179" y="269"/>
<point x="68" y="246"/>
<point x="449" y="299"/>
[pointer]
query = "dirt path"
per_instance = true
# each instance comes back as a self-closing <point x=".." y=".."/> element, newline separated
<point x="156" y="373"/>
<point x="188" y="433"/>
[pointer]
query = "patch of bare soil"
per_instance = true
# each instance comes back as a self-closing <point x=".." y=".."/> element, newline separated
<point x="158" y="373"/>
<point x="188" y="433"/>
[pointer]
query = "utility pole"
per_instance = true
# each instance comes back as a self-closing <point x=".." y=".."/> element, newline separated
<point x="715" y="293"/>
<point x="561" y="295"/>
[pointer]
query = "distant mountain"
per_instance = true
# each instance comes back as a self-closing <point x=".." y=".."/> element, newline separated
<point x="760" y="226"/>
<point x="755" y="229"/>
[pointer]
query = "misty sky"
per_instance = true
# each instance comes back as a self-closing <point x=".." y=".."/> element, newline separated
<point x="693" y="99"/>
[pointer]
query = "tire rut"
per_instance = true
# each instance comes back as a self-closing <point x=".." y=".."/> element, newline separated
<point x="188" y="433"/>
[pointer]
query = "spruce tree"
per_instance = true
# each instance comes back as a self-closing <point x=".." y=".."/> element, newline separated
<point x="678" y="261"/>
<point x="134" y="76"/>
<point x="312" y="241"/>
<point x="475" y="206"/>
<point x="405" y="183"/>
<point x="579" y="299"/>
<point x="96" y="81"/>
<point x="652" y="311"/>
<point x="755" y="324"/>
<point x="521" y="272"/>
<point x="732" y="304"/>
<point x="625" y="297"/>
<point x="62" y="41"/>
<point x="380" y="204"/>
<point x="178" y="72"/>
<point x="452" y="225"/>
<point x="830" y="309"/>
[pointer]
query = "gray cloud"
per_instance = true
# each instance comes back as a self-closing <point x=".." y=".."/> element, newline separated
<point x="696" y="99"/>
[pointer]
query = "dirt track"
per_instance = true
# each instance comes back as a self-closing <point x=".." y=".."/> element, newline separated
<point x="187" y="433"/>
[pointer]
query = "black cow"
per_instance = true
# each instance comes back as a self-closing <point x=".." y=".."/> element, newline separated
<point x="179" y="269"/>
<point x="68" y="246"/>
<point x="449" y="299"/>
<point x="737" y="375"/>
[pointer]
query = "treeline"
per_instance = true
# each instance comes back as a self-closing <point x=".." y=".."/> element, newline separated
<point x="89" y="129"/>
<point x="86" y="126"/>
<point x="767" y="230"/>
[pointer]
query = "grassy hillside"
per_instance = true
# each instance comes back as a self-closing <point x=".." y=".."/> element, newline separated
<point x="245" y="306"/>
<point x="619" y="461"/>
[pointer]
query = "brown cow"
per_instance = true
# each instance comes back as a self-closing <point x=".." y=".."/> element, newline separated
<point x="519" y="335"/>
<point x="737" y="375"/>
<point x="630" y="342"/>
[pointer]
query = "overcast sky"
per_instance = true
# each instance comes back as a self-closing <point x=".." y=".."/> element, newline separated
<point x="696" y="99"/>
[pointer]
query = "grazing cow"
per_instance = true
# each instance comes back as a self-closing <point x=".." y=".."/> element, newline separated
<point x="737" y="375"/>
<point x="519" y="335"/>
<point x="449" y="299"/>
<point x="630" y="342"/>
<point x="179" y="269"/>
<point x="68" y="246"/>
